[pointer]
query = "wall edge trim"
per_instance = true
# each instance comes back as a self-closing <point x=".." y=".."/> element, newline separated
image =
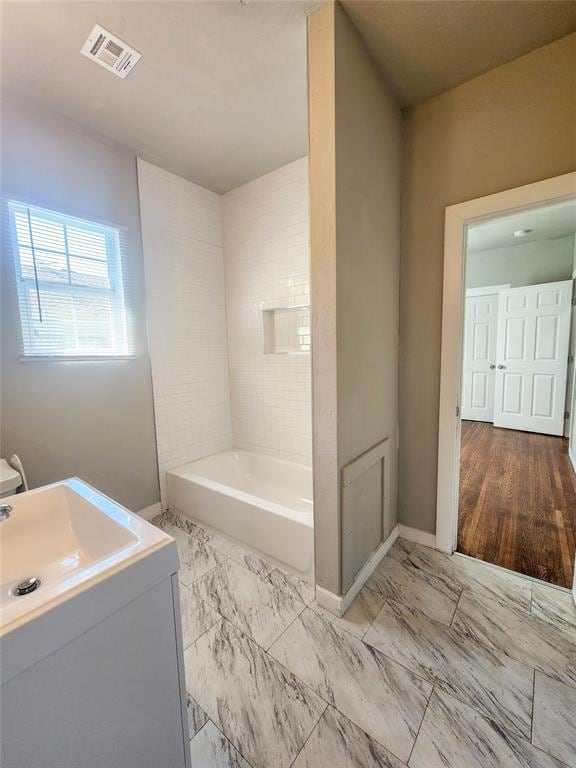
<point x="339" y="604"/>
<point x="425" y="538"/>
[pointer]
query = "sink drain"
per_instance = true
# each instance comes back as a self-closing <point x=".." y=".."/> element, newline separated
<point x="28" y="585"/>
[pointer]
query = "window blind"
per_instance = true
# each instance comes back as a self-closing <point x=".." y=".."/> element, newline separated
<point x="70" y="276"/>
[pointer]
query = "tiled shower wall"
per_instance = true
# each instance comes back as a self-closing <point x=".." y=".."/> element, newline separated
<point x="214" y="387"/>
<point x="186" y="314"/>
<point x="265" y="225"/>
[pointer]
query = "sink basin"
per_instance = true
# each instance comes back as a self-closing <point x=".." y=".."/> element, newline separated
<point x="70" y="537"/>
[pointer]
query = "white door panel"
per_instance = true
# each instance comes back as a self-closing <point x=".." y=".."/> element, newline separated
<point x="532" y="354"/>
<point x="480" y="327"/>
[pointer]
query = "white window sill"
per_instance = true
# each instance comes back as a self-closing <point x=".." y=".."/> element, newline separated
<point x="74" y="358"/>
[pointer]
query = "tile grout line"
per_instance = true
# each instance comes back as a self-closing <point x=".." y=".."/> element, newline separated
<point x="199" y="731"/>
<point x="421" y="723"/>
<point x="451" y="692"/>
<point x="307" y="739"/>
<point x="240" y="629"/>
<point x="533" y="704"/>
<point x="198" y="638"/>
<point x="451" y="625"/>
<point x="283" y="633"/>
<point x="333" y="705"/>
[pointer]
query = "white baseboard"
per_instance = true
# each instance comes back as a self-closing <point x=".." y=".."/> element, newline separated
<point x="572" y="456"/>
<point x="339" y="604"/>
<point x="417" y="536"/>
<point x="150" y="512"/>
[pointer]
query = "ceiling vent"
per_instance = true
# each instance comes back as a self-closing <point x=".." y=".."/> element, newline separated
<point x="110" y="52"/>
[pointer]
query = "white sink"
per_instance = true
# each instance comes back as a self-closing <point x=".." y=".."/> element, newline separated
<point x="69" y="536"/>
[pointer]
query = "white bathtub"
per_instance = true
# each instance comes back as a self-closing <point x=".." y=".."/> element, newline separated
<point x="261" y="502"/>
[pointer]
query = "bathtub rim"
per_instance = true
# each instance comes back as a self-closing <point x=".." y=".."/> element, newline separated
<point x="304" y="517"/>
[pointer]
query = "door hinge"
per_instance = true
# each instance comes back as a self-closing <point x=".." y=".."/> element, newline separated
<point x="457" y="411"/>
<point x="566" y="414"/>
<point x="573" y="302"/>
<point x="570" y="359"/>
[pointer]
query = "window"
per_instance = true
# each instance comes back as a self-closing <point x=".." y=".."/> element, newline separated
<point x="70" y="288"/>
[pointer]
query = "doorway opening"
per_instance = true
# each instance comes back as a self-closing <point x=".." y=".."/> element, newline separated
<point x="514" y="443"/>
<point x="517" y="490"/>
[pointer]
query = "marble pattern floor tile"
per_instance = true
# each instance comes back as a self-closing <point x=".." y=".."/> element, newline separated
<point x="337" y="743"/>
<point x="377" y="694"/>
<point x="400" y="549"/>
<point x="359" y="617"/>
<point x="300" y="589"/>
<point x="555" y="606"/>
<point x="196" y="558"/>
<point x="454" y="735"/>
<point x="412" y="586"/>
<point x="524" y="637"/>
<point x="239" y="554"/>
<point x="211" y="749"/>
<point x="498" y="686"/>
<point x="197" y="616"/>
<point x="555" y="718"/>
<point x="261" y="707"/>
<point x="469" y="574"/>
<point x="196" y="716"/>
<point x="257" y="607"/>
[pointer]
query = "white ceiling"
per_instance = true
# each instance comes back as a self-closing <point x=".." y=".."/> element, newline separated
<point x="547" y="222"/>
<point x="425" y="47"/>
<point x="219" y="96"/>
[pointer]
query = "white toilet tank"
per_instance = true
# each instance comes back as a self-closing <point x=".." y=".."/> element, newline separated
<point x="10" y="479"/>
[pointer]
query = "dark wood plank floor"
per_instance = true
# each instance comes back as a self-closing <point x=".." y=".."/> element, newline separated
<point x="517" y="501"/>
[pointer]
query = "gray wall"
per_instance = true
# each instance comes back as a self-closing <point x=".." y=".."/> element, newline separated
<point x="90" y="419"/>
<point x="511" y="126"/>
<point x="355" y="157"/>
<point x="540" y="261"/>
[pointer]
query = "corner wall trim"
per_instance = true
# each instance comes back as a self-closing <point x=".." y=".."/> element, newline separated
<point x="339" y="604"/>
<point x="148" y="513"/>
<point x="424" y="538"/>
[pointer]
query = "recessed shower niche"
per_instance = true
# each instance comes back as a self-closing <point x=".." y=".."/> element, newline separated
<point x="287" y="330"/>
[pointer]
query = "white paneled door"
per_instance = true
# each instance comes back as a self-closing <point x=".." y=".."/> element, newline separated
<point x="532" y="357"/>
<point x="479" y="361"/>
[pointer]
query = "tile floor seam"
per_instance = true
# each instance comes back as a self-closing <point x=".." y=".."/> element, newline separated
<point x="194" y="643"/>
<point x="543" y="698"/>
<point x="420" y="726"/>
<point x="451" y="692"/>
<point x="286" y="669"/>
<point x="266" y="650"/>
<point x="333" y="704"/>
<point x="451" y="625"/>
<point x="209" y="720"/>
<point x="370" y="647"/>
<point x="274" y="659"/>
<point x="220" y="617"/>
<point x="284" y="630"/>
<point x="499" y="728"/>
<point x="248" y="763"/>
<point x="492" y="646"/>
<point x="200" y="729"/>
<point x="243" y="631"/>
<point x="307" y="739"/>
<point x="533" y="705"/>
<point x="193" y="582"/>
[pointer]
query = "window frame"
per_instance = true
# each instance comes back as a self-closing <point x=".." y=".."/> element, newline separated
<point x="117" y="290"/>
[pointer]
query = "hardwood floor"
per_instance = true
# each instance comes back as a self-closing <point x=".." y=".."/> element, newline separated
<point x="517" y="503"/>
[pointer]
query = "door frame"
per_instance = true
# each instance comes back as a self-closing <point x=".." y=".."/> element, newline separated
<point x="457" y="219"/>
